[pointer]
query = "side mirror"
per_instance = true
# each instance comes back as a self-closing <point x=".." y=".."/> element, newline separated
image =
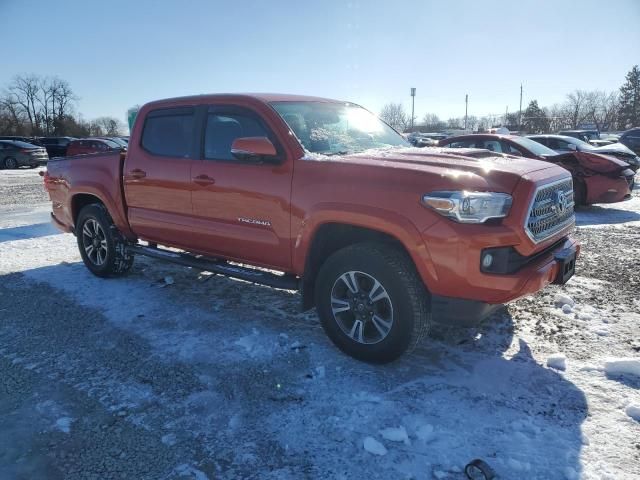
<point x="254" y="149"/>
<point x="572" y="147"/>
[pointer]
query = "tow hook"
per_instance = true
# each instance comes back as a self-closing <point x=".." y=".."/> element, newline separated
<point x="479" y="470"/>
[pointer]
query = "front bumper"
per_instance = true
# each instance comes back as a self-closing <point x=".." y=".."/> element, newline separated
<point x="548" y="267"/>
<point x="603" y="189"/>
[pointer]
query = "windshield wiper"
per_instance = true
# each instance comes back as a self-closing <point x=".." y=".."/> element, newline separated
<point x="331" y="154"/>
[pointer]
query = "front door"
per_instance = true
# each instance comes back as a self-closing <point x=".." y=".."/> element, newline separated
<point x="241" y="208"/>
<point x="157" y="177"/>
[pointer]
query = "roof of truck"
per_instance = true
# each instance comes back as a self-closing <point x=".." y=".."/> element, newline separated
<point x="263" y="97"/>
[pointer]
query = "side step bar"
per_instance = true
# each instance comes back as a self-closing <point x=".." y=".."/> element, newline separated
<point x="221" y="267"/>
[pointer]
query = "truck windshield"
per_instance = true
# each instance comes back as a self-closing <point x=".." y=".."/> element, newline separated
<point x="337" y="128"/>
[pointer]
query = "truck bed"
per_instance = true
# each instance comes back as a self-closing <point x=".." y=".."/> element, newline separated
<point x="74" y="181"/>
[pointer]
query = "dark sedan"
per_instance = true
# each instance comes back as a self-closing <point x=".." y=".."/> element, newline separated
<point x="56" y="146"/>
<point x="14" y="154"/>
<point x="596" y="178"/>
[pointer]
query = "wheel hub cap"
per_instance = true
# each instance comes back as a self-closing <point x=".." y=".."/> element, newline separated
<point x="361" y="307"/>
<point x="94" y="242"/>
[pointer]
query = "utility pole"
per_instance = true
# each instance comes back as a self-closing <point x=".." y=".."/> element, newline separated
<point x="520" y="113"/>
<point x="506" y="116"/>
<point x="413" y="104"/>
<point x="466" y="109"/>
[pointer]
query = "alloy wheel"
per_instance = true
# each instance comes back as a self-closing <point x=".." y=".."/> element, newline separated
<point x="361" y="307"/>
<point x="94" y="242"/>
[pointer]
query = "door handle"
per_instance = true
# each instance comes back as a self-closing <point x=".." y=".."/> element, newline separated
<point x="137" y="174"/>
<point x="204" y="180"/>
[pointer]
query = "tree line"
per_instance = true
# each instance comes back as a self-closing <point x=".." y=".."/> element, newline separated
<point x="34" y="105"/>
<point x="617" y="110"/>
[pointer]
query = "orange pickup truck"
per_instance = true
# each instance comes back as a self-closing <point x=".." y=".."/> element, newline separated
<point x="321" y="196"/>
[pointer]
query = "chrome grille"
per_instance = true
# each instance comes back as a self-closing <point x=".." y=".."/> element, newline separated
<point x="551" y="210"/>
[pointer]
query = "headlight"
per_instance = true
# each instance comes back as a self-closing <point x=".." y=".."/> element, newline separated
<point x="469" y="207"/>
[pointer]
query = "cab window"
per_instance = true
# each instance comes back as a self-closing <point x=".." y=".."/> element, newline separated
<point x="169" y="132"/>
<point x="222" y="129"/>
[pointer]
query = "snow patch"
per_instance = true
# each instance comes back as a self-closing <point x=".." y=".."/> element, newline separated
<point x="557" y="361"/>
<point x="622" y="366"/>
<point x="374" y="447"/>
<point x="64" y="424"/>
<point x="633" y="411"/>
<point x="425" y="433"/>
<point x="396" y="434"/>
<point x="561" y="300"/>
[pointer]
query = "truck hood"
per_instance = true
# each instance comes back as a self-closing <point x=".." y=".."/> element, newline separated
<point x="457" y="168"/>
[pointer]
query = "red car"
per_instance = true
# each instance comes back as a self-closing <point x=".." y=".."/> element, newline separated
<point x="92" y="145"/>
<point x="597" y="178"/>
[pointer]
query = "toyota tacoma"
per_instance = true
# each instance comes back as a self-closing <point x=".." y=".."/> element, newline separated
<point x="321" y="196"/>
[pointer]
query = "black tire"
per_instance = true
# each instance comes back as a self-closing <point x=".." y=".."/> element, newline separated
<point x="10" y="163"/>
<point x="406" y="298"/>
<point x="114" y="260"/>
<point x="580" y="193"/>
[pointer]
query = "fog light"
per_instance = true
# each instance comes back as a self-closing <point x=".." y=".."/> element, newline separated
<point x="487" y="260"/>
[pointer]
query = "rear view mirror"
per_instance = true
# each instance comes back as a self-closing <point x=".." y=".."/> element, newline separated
<point x="254" y="148"/>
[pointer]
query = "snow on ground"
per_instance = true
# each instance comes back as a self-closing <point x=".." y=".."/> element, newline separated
<point x="209" y="377"/>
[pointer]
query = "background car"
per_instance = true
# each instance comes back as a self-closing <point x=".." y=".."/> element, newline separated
<point x="631" y="140"/>
<point x="31" y="140"/>
<point x="564" y="144"/>
<point x="14" y="154"/>
<point x="585" y="135"/>
<point x="596" y="178"/>
<point x="91" y="145"/>
<point x="56" y="146"/>
<point x="117" y="140"/>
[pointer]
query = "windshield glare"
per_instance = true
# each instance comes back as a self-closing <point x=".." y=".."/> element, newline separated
<point x="337" y="128"/>
<point x="533" y="146"/>
<point x="581" y="144"/>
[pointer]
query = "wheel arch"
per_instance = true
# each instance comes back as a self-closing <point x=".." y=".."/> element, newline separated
<point x="330" y="236"/>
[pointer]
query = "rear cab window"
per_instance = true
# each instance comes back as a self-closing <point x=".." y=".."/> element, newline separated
<point x="170" y="132"/>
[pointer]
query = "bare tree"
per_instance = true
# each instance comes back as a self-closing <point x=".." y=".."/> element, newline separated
<point x="37" y="105"/>
<point x="576" y="108"/>
<point x="23" y="91"/>
<point x="109" y="126"/>
<point x="394" y="115"/>
<point x="431" y="122"/>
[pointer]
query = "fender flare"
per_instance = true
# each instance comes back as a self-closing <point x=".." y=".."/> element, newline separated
<point x="372" y="218"/>
<point x="95" y="190"/>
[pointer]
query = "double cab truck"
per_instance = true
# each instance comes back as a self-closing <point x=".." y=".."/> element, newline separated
<point x="321" y="196"/>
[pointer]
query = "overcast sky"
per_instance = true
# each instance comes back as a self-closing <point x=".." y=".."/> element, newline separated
<point x="119" y="53"/>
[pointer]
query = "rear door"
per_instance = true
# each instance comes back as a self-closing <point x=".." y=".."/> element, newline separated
<point x="242" y="208"/>
<point x="157" y="177"/>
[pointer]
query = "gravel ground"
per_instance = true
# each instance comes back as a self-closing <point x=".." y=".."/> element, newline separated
<point x="21" y="187"/>
<point x="207" y="377"/>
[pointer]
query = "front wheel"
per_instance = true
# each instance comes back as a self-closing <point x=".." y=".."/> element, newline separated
<point x="102" y="247"/>
<point x="371" y="302"/>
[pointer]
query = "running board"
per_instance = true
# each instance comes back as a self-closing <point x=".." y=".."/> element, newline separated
<point x="221" y="267"/>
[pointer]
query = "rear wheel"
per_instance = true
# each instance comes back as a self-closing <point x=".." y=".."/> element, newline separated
<point x="101" y="245"/>
<point x="371" y="302"/>
<point x="10" y="163"/>
<point x="580" y="193"/>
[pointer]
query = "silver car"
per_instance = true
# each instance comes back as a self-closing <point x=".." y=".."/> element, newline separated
<point x="14" y="154"/>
